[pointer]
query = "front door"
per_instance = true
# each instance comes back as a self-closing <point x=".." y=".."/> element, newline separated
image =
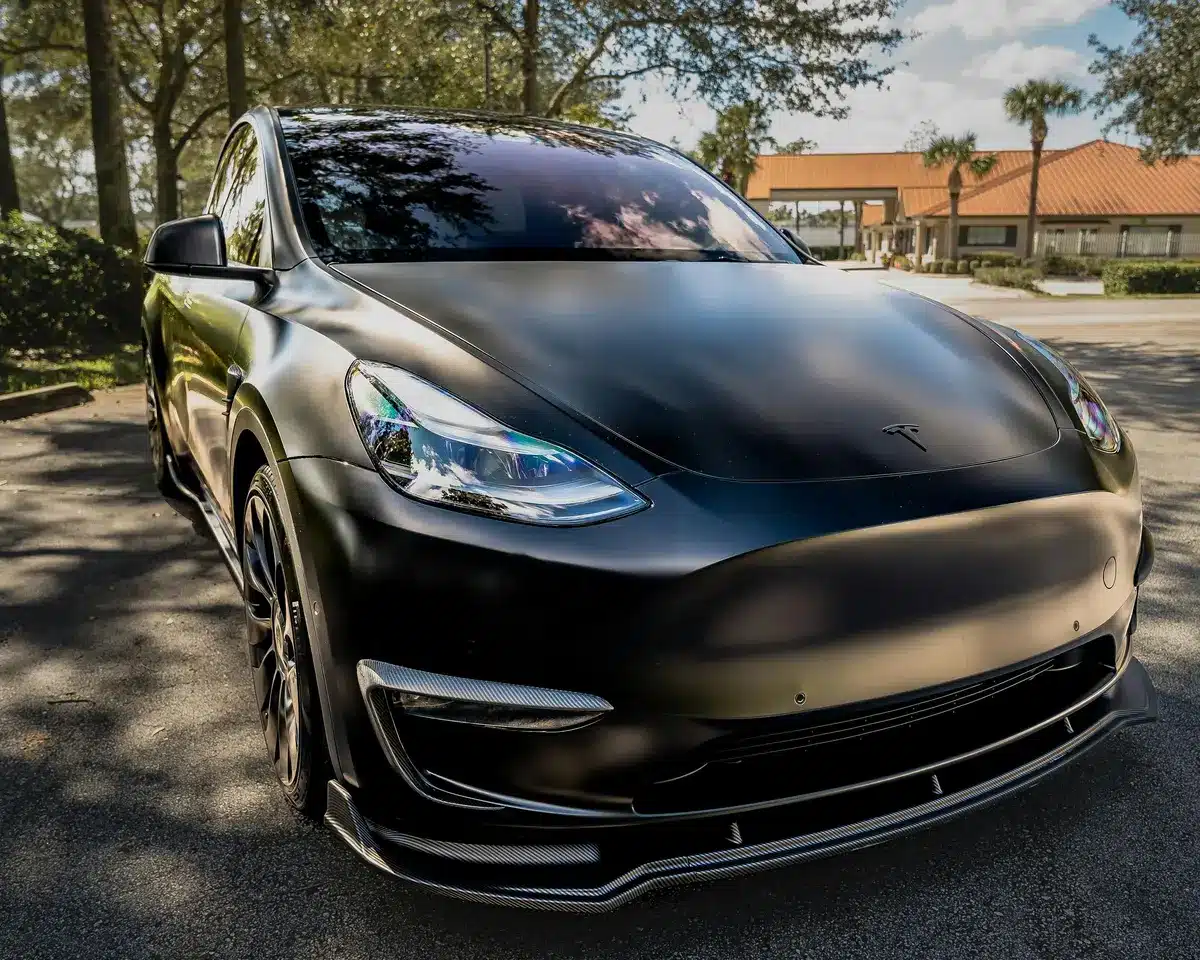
<point x="216" y="310"/>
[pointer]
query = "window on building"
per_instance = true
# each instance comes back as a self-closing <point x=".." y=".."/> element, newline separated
<point x="1087" y="240"/>
<point x="989" y="236"/>
<point x="1148" y="241"/>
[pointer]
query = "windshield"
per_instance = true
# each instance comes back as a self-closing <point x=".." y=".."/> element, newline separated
<point x="385" y="185"/>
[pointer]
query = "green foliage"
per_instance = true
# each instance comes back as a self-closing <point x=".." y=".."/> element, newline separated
<point x="1150" y="86"/>
<point x="950" y="266"/>
<point x="731" y="150"/>
<point x="832" y="252"/>
<point x="1063" y="265"/>
<point x="800" y="145"/>
<point x="858" y="257"/>
<point x="901" y="262"/>
<point x="974" y="265"/>
<point x="1023" y="278"/>
<point x="65" y="291"/>
<point x="24" y="370"/>
<point x="993" y="259"/>
<point x="1034" y="100"/>
<point x="921" y="136"/>
<point x="956" y="153"/>
<point x="1123" y="277"/>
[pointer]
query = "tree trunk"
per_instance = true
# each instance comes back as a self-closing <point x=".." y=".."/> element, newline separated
<point x="1031" y="220"/>
<point x="529" y="58"/>
<point x="841" y="229"/>
<point x="952" y="240"/>
<point x="10" y="199"/>
<point x="166" y="173"/>
<point x="955" y="188"/>
<point x="235" y="60"/>
<point x="114" y="210"/>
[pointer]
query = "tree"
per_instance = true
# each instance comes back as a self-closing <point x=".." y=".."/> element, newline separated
<point x="800" y="145"/>
<point x="921" y="136"/>
<point x="731" y="150"/>
<point x="10" y="198"/>
<point x="113" y="208"/>
<point x="802" y="55"/>
<point x="1030" y="104"/>
<point x="1151" y="85"/>
<point x="956" y="153"/>
<point x="235" y="60"/>
<point x="51" y="133"/>
<point x="173" y="76"/>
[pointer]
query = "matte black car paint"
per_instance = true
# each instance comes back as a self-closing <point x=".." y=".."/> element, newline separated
<point x="792" y="545"/>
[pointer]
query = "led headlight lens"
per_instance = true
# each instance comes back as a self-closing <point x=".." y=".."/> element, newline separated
<point x="434" y="447"/>
<point x="1094" y="417"/>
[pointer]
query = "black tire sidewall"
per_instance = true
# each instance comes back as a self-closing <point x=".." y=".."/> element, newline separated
<point x="162" y="477"/>
<point x="307" y="792"/>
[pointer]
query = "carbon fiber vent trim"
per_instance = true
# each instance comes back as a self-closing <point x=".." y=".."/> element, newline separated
<point x="373" y="674"/>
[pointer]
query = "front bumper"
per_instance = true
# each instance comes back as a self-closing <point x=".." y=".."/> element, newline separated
<point x="596" y="870"/>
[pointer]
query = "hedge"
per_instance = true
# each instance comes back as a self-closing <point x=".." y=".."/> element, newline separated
<point x="1023" y="278"/>
<point x="999" y="259"/>
<point x="832" y="252"/>
<point x="1137" y="276"/>
<point x="1063" y="265"/>
<point x="64" y="291"/>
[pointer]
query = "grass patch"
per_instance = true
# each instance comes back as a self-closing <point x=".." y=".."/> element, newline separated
<point x="24" y="371"/>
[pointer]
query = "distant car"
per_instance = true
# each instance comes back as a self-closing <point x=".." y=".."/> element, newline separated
<point x="593" y="538"/>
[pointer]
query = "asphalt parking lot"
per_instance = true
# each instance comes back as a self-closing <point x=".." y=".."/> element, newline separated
<point x="138" y="818"/>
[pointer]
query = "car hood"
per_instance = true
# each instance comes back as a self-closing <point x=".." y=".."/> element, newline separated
<point x="745" y="371"/>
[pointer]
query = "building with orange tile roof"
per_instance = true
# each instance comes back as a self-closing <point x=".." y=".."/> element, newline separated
<point x="1097" y="198"/>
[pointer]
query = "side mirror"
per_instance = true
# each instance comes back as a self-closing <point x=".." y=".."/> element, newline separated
<point x="796" y="242"/>
<point x="195" y="247"/>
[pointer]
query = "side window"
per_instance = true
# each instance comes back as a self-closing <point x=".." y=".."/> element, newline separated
<point x="240" y="199"/>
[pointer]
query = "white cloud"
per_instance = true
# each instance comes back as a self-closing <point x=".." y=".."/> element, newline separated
<point x="1015" y="62"/>
<point x="983" y="18"/>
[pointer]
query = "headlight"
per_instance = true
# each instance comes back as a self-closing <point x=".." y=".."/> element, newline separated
<point x="436" y="448"/>
<point x="1094" y="417"/>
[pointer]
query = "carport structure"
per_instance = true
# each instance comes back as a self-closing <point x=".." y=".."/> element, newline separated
<point x="888" y="191"/>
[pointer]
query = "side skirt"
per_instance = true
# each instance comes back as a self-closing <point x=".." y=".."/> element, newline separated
<point x="212" y="520"/>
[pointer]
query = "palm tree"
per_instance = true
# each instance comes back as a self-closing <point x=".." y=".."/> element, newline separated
<point x="956" y="153"/>
<point x="1030" y="104"/>
<point x="731" y="150"/>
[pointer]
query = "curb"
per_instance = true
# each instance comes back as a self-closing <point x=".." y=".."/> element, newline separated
<point x="25" y="403"/>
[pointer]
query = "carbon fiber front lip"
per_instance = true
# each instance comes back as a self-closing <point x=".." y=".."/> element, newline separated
<point x="1133" y="700"/>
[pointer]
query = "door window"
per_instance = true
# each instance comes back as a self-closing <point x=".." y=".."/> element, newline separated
<point x="240" y="199"/>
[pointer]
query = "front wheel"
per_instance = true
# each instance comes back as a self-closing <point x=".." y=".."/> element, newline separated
<point x="160" y="446"/>
<point x="280" y="659"/>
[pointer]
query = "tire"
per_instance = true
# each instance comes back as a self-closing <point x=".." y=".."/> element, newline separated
<point x="160" y="445"/>
<point x="281" y="666"/>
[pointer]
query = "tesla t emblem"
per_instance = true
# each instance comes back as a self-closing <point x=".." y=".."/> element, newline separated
<point x="908" y="431"/>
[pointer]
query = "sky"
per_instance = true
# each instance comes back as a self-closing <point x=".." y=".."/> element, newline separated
<point x="955" y="72"/>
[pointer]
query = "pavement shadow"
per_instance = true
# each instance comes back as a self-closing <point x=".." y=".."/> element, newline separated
<point x="1147" y="382"/>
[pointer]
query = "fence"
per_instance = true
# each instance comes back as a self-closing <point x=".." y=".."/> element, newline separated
<point x="1130" y="241"/>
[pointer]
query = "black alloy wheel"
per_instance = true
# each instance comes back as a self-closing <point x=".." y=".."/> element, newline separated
<point x="280" y="660"/>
